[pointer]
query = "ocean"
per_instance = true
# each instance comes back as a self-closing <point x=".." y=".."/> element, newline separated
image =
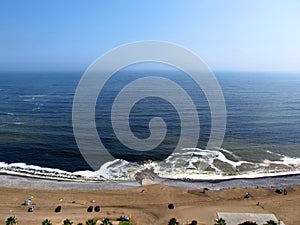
<point x="262" y="135"/>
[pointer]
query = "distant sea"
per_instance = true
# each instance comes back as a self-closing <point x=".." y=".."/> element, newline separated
<point x="262" y="135"/>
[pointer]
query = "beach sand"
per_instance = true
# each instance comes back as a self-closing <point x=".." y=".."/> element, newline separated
<point x="148" y="204"/>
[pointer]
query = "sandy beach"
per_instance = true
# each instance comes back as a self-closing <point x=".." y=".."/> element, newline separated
<point x="148" y="204"/>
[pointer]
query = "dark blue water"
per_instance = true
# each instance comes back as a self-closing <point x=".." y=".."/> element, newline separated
<point x="263" y="114"/>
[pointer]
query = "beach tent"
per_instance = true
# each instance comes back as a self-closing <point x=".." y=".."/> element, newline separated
<point x="58" y="209"/>
<point x="27" y="202"/>
<point x="31" y="208"/>
<point x="171" y="206"/>
<point x="90" y="209"/>
<point x="123" y="218"/>
<point x="97" y="208"/>
<point x="248" y="195"/>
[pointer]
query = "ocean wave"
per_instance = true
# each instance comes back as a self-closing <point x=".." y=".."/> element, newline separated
<point x="11" y="123"/>
<point x="35" y="109"/>
<point x="18" y="123"/>
<point x="7" y="113"/>
<point x="22" y="169"/>
<point x="189" y="164"/>
<point x="32" y="96"/>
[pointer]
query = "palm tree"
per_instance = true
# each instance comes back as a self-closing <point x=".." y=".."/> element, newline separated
<point x="271" y="222"/>
<point x="91" y="222"/>
<point x="106" y="221"/>
<point x="220" y="221"/>
<point x="12" y="220"/>
<point x="68" y="222"/>
<point x="173" y="221"/>
<point x="46" y="222"/>
<point x="125" y="223"/>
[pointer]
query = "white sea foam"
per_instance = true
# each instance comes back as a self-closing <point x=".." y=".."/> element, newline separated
<point x="229" y="152"/>
<point x="35" y="109"/>
<point x="8" y="113"/>
<point x="22" y="169"/>
<point x="33" y="96"/>
<point x="18" y="123"/>
<point x="190" y="163"/>
<point x="284" y="160"/>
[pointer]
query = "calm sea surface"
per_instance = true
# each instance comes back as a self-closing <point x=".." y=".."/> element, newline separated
<point x="262" y="134"/>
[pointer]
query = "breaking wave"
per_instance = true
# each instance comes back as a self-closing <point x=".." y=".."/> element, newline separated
<point x="190" y="164"/>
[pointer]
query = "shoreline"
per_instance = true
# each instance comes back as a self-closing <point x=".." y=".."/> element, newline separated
<point x="16" y="181"/>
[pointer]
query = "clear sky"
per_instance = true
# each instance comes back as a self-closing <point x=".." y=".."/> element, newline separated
<point x="70" y="34"/>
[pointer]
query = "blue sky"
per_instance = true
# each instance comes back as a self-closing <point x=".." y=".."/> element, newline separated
<point x="231" y="35"/>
